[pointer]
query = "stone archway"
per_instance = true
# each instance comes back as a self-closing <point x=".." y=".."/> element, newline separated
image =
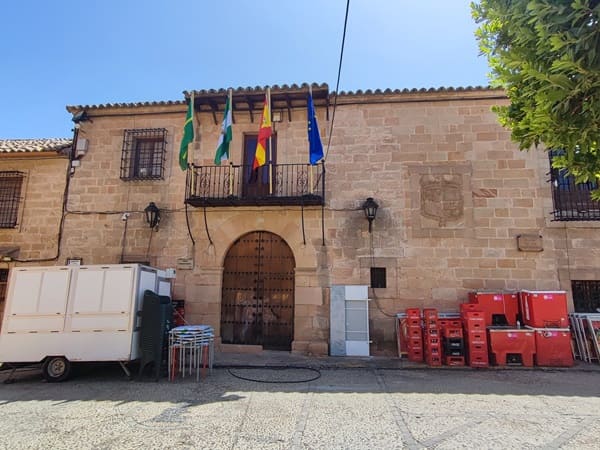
<point x="257" y="303"/>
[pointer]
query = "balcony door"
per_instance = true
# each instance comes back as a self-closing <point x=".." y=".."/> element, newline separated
<point x="256" y="182"/>
<point x="257" y="305"/>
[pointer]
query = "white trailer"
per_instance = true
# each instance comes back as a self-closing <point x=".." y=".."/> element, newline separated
<point x="62" y="314"/>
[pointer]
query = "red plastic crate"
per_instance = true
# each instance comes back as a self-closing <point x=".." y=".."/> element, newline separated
<point x="413" y="313"/>
<point x="413" y="332"/>
<point x="469" y="307"/>
<point x="430" y="323"/>
<point x="474" y="324"/>
<point x="553" y="347"/>
<point x="430" y="314"/>
<point x="433" y="351"/>
<point x="479" y="360"/>
<point x="477" y="337"/>
<point x="433" y="361"/>
<point x="544" y="309"/>
<point x="414" y="343"/>
<point x="432" y="332"/>
<point x="415" y="355"/>
<point x="454" y="360"/>
<point x="492" y="304"/>
<point x="477" y="348"/>
<point x="449" y="332"/>
<point x="512" y="341"/>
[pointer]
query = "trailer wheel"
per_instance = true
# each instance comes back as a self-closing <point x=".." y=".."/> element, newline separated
<point x="56" y="368"/>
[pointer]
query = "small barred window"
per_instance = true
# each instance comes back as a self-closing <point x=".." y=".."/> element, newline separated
<point x="10" y="198"/>
<point x="144" y="154"/>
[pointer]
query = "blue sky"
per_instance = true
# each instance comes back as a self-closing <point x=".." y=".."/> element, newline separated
<point x="93" y="52"/>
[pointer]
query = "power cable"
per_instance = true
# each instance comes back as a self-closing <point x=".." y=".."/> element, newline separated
<point x="337" y="85"/>
<point x="275" y="368"/>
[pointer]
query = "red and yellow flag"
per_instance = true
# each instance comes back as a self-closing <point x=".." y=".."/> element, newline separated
<point x="264" y="133"/>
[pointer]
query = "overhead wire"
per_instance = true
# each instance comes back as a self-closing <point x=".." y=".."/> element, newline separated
<point x="337" y="85"/>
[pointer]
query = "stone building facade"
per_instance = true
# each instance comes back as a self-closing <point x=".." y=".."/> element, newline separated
<point x="460" y="207"/>
<point x="33" y="181"/>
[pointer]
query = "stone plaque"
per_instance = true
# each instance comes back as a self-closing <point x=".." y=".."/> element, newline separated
<point x="530" y="243"/>
<point x="185" y="263"/>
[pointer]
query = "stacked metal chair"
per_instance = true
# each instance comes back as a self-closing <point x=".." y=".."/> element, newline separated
<point x="191" y="349"/>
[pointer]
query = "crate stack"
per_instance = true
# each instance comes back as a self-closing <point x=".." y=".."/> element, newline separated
<point x="475" y="330"/>
<point x="453" y="342"/>
<point x="413" y="334"/>
<point x="545" y="314"/>
<point x="432" y="339"/>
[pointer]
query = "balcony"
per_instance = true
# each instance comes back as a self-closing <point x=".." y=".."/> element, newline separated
<point x="240" y="185"/>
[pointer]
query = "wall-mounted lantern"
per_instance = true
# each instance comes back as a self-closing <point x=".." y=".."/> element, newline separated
<point x="152" y="215"/>
<point x="370" y="207"/>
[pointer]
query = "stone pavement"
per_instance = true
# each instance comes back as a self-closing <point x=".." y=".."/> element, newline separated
<point x="320" y="403"/>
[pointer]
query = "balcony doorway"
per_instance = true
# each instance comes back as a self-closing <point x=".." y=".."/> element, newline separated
<point x="257" y="305"/>
<point x="256" y="182"/>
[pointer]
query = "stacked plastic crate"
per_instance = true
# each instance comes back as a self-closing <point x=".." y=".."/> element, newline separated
<point x="413" y="334"/>
<point x="432" y="339"/>
<point x="476" y="337"/>
<point x="453" y="342"/>
<point x="545" y="314"/>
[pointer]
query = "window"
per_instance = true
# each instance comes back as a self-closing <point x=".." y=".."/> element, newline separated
<point x="571" y="201"/>
<point x="143" y="155"/>
<point x="10" y="198"/>
<point x="378" y="278"/>
<point x="586" y="295"/>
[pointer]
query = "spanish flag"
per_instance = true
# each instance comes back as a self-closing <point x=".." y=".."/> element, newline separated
<point x="264" y="133"/>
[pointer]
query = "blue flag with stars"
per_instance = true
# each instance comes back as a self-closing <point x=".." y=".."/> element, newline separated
<point x="314" y="138"/>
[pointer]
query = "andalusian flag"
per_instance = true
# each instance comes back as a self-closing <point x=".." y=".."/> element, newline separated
<point x="226" y="134"/>
<point x="264" y="133"/>
<point x="188" y="135"/>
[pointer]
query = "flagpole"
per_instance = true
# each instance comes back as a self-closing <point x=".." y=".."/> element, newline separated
<point x="270" y="144"/>
<point x="310" y="187"/>
<point x="193" y="178"/>
<point x="230" y="159"/>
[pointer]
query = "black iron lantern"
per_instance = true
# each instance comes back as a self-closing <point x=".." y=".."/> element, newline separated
<point x="370" y="207"/>
<point x="152" y="215"/>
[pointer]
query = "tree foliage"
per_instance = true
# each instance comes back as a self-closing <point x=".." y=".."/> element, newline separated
<point x="546" y="55"/>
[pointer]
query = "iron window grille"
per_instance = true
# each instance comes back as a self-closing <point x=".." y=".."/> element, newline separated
<point x="571" y="201"/>
<point x="144" y="154"/>
<point x="586" y="295"/>
<point x="11" y="183"/>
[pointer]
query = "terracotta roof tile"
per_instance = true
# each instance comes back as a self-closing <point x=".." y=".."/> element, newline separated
<point x="249" y="90"/>
<point x="33" y="145"/>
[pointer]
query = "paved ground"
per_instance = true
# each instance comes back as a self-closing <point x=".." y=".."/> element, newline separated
<point x="363" y="403"/>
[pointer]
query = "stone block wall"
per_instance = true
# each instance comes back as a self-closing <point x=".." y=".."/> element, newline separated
<point x="454" y="194"/>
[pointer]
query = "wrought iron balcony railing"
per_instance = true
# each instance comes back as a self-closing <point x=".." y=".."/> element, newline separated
<point x="240" y="185"/>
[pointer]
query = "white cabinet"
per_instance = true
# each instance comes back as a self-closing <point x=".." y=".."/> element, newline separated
<point x="349" y="321"/>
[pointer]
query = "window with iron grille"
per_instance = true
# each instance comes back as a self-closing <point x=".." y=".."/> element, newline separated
<point x="586" y="295"/>
<point x="144" y="153"/>
<point x="10" y="198"/>
<point x="571" y="201"/>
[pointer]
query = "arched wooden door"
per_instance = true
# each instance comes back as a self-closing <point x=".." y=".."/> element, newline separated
<point x="257" y="306"/>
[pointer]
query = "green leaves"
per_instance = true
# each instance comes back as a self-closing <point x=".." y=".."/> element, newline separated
<point x="546" y="54"/>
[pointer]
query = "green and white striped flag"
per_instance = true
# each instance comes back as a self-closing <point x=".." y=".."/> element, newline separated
<point x="226" y="134"/>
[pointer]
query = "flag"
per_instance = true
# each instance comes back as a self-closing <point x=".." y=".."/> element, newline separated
<point x="314" y="138"/>
<point x="222" y="152"/>
<point x="188" y="135"/>
<point x="264" y="133"/>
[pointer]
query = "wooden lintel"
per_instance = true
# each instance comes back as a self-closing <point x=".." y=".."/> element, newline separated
<point x="289" y="107"/>
<point x="214" y="108"/>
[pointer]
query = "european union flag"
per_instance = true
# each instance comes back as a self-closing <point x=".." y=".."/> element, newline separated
<point x="314" y="138"/>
